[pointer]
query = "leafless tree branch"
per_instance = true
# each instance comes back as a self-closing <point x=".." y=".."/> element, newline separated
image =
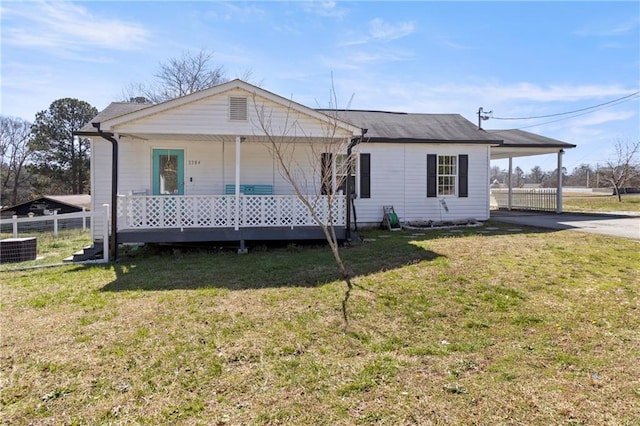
<point x="624" y="166"/>
<point x="282" y="144"/>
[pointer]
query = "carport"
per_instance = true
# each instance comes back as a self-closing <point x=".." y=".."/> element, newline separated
<point x="518" y="143"/>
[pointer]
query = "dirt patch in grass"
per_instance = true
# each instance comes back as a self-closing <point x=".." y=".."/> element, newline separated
<point x="489" y="328"/>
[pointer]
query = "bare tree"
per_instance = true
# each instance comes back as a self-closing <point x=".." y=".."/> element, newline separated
<point x="319" y="181"/>
<point x="178" y="77"/>
<point x="624" y="165"/>
<point x="537" y="175"/>
<point x="580" y="176"/>
<point x="519" y="175"/>
<point x="15" y="134"/>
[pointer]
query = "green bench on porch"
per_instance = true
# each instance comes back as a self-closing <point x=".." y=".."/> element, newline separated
<point x="249" y="189"/>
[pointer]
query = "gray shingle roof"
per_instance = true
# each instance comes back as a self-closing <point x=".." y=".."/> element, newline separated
<point x="115" y="109"/>
<point x="383" y="126"/>
<point x="408" y="127"/>
<point x="520" y="138"/>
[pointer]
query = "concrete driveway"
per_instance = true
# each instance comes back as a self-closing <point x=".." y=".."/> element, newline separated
<point x="616" y="224"/>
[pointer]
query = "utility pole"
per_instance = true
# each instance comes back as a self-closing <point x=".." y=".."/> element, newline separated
<point x="587" y="178"/>
<point x="483" y="115"/>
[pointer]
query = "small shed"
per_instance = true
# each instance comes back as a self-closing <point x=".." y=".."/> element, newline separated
<point x="47" y="204"/>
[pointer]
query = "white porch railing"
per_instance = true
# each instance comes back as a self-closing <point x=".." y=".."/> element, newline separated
<point x="219" y="211"/>
<point x="538" y="199"/>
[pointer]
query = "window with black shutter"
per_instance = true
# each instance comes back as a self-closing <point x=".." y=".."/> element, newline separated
<point x="365" y="175"/>
<point x="463" y="175"/>
<point x="432" y="175"/>
<point x="447" y="175"/>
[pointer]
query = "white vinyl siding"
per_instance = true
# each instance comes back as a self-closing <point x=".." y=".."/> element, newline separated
<point x="209" y="117"/>
<point x="399" y="177"/>
<point x="100" y="181"/>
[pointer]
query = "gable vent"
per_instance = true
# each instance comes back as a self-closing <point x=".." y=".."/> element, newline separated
<point x="237" y="108"/>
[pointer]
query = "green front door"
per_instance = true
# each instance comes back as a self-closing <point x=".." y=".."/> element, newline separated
<point x="168" y="172"/>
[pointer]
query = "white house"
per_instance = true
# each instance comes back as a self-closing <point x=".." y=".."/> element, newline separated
<point x="200" y="167"/>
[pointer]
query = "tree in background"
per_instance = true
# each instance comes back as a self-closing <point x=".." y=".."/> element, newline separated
<point x="536" y="175"/>
<point x="551" y="179"/>
<point x="519" y="177"/>
<point x="15" y="134"/>
<point x="178" y="77"/>
<point x="623" y="167"/>
<point x="582" y="176"/>
<point x="61" y="160"/>
<point x="496" y="175"/>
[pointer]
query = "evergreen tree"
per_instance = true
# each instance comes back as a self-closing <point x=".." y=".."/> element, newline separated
<point x="62" y="159"/>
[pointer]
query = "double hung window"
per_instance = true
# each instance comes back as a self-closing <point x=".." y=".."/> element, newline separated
<point x="447" y="175"/>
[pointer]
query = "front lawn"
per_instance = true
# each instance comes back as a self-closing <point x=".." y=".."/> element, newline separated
<point x="577" y="202"/>
<point x="488" y="326"/>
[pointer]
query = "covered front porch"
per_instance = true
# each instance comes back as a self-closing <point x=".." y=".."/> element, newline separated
<point x="198" y="218"/>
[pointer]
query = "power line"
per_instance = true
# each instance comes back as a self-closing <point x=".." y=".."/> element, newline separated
<point x="568" y="112"/>
<point x="603" y="106"/>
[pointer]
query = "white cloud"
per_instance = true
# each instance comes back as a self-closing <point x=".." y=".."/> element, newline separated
<point x="354" y="61"/>
<point x="609" y="30"/>
<point x="66" y="26"/>
<point x="602" y="117"/>
<point x="386" y="31"/>
<point x="381" y="31"/>
<point x="229" y="11"/>
<point x="452" y="44"/>
<point x="535" y="93"/>
<point x="327" y="9"/>
<point x="506" y="100"/>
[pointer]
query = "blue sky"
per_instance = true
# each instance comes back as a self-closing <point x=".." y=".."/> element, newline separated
<point x="518" y="59"/>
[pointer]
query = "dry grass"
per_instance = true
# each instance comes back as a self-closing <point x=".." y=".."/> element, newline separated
<point x="496" y="328"/>
<point x="580" y="202"/>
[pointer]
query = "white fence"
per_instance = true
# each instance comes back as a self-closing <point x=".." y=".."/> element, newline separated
<point x="53" y="223"/>
<point x="536" y="199"/>
<point x="55" y="226"/>
<point x="223" y="211"/>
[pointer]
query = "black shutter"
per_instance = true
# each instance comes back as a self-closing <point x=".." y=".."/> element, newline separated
<point x="463" y="175"/>
<point x="432" y="175"/>
<point x="365" y="175"/>
<point x="326" y="176"/>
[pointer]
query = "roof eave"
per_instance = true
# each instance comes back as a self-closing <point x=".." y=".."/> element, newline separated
<point x="519" y="145"/>
<point x="85" y="133"/>
<point x="433" y="141"/>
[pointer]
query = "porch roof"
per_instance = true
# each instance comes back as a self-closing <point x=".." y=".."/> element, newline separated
<point x="518" y="143"/>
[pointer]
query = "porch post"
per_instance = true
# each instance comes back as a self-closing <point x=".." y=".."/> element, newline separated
<point x="559" y="184"/>
<point x="237" y="192"/>
<point x="510" y="196"/>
